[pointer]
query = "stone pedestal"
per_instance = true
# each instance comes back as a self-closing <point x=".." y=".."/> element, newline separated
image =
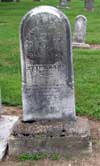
<point x="80" y="45"/>
<point x="66" y="138"/>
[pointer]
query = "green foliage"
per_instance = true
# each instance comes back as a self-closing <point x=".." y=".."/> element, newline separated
<point x="39" y="156"/>
<point x="35" y="156"/>
<point x="87" y="78"/>
<point x="55" y="156"/>
<point x="86" y="62"/>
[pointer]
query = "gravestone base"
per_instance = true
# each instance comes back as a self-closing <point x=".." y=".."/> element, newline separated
<point x="63" y="7"/>
<point x="89" y="10"/>
<point x="57" y="136"/>
<point x="37" y="0"/>
<point x="80" y="45"/>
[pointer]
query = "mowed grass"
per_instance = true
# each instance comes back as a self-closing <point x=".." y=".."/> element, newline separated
<point x="86" y="62"/>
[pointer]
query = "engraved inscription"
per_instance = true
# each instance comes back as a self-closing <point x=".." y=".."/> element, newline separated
<point x="46" y="75"/>
<point x="45" y="47"/>
<point x="46" y="65"/>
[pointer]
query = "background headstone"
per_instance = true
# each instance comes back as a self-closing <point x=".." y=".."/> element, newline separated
<point x="46" y="60"/>
<point x="79" y="33"/>
<point x="80" y="29"/>
<point x="36" y="0"/>
<point x="89" y="5"/>
<point x="63" y="3"/>
<point x="9" y="0"/>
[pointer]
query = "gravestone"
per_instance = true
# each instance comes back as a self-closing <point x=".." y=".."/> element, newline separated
<point x="36" y="0"/>
<point x="9" y="0"/>
<point x="89" y="5"/>
<point x="80" y="32"/>
<point x="47" y="78"/>
<point x="47" y="88"/>
<point x="63" y="3"/>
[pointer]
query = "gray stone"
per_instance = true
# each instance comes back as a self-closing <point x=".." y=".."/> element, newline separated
<point x="80" y="31"/>
<point x="46" y="61"/>
<point x="6" y="125"/>
<point x="63" y="3"/>
<point x="89" y="5"/>
<point x="67" y="138"/>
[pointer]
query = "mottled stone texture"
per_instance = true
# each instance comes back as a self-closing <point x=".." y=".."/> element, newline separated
<point x="67" y="138"/>
<point x="46" y="62"/>
<point x="79" y="29"/>
<point x="89" y="4"/>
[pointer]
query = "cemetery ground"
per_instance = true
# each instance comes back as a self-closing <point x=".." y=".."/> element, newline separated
<point x="86" y="66"/>
<point x="55" y="159"/>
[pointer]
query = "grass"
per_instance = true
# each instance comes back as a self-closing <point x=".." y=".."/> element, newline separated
<point x="87" y="78"/>
<point x="86" y="62"/>
<point x="39" y="156"/>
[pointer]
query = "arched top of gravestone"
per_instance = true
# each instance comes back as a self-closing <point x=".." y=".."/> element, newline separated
<point x="37" y="11"/>
<point x="81" y="17"/>
<point x="44" y="9"/>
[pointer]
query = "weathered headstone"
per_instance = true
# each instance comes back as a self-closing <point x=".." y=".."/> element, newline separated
<point x="47" y="78"/>
<point x="63" y="3"/>
<point x="47" y="88"/>
<point x="9" y="0"/>
<point x="89" y="5"/>
<point x="80" y="32"/>
<point x="36" y="0"/>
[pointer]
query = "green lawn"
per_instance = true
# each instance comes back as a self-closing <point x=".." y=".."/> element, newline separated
<point x="86" y="62"/>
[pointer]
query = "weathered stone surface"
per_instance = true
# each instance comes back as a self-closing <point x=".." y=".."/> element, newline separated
<point x="89" y="5"/>
<point x="46" y="60"/>
<point x="80" y="29"/>
<point x="62" y="137"/>
<point x="80" y="32"/>
<point x="6" y="125"/>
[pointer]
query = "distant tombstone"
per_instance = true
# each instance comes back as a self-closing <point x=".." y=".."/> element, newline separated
<point x="89" y="5"/>
<point x="80" y="31"/>
<point x="9" y="0"/>
<point x="47" y="78"/>
<point x="63" y="3"/>
<point x="36" y="0"/>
